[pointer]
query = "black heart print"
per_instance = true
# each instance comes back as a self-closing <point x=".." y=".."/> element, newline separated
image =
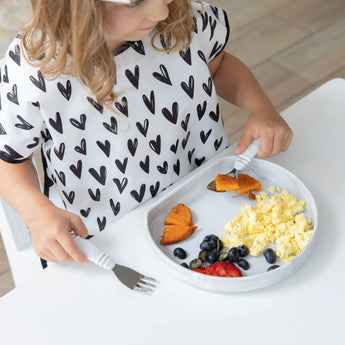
<point x="201" y="110"/>
<point x="138" y="196"/>
<point x="85" y="213"/>
<point x="171" y="116"/>
<point x="112" y="126"/>
<point x="123" y="106"/>
<point x="105" y="147"/>
<point x="217" y="143"/>
<point x="15" y="55"/>
<point x="121" y="165"/>
<point x="217" y="47"/>
<point x="189" y="88"/>
<point x="57" y="123"/>
<point x="215" y="115"/>
<point x="202" y="56"/>
<point x="199" y="161"/>
<point x="101" y="223"/>
<point x="184" y="123"/>
<point x="143" y="127"/>
<point x="155" y="145"/>
<point x="5" y="75"/>
<point x="82" y="148"/>
<point x="204" y="136"/>
<point x="185" y="140"/>
<point x="208" y="87"/>
<point x="39" y="82"/>
<point x="213" y="24"/>
<point x="133" y="77"/>
<point x="10" y="154"/>
<point x="65" y="91"/>
<point x="95" y="104"/>
<point x="154" y="189"/>
<point x="150" y="103"/>
<point x="121" y="185"/>
<point x="2" y="130"/>
<point x="163" y="169"/>
<point x="174" y="147"/>
<point x="186" y="56"/>
<point x="176" y="167"/>
<point x="95" y="196"/>
<point x="69" y="197"/>
<point x="132" y="146"/>
<point x="164" y="76"/>
<point x="190" y="155"/>
<point x="34" y="144"/>
<point x="138" y="46"/>
<point x="13" y="97"/>
<point x="145" y="165"/>
<point x="215" y="11"/>
<point x="204" y="17"/>
<point x="115" y="207"/>
<point x="79" y="124"/>
<point x="23" y="124"/>
<point x="61" y="176"/>
<point x="60" y="152"/>
<point x="77" y="169"/>
<point x="99" y="176"/>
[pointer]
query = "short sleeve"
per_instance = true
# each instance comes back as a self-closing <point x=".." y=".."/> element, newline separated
<point x="212" y="29"/>
<point x="21" y="121"/>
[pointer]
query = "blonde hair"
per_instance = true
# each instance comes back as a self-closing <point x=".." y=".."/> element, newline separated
<point x="59" y="40"/>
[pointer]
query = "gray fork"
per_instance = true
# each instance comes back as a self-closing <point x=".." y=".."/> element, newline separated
<point x="129" y="277"/>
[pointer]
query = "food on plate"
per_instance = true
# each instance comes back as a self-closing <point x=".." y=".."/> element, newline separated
<point x="270" y="255"/>
<point x="220" y="269"/>
<point x="243" y="263"/>
<point x="180" y="253"/>
<point x="176" y="233"/>
<point x="276" y="219"/>
<point x="178" y="225"/>
<point x="273" y="267"/>
<point x="226" y="183"/>
<point x="245" y="184"/>
<point x="179" y="215"/>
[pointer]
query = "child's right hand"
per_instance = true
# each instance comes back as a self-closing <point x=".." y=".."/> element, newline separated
<point x="51" y="235"/>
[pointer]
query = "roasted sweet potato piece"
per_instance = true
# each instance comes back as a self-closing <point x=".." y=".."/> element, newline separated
<point x="176" y="233"/>
<point x="247" y="184"/>
<point x="226" y="183"/>
<point x="180" y="215"/>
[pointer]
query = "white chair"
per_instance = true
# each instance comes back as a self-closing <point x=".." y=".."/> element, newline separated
<point x="24" y="262"/>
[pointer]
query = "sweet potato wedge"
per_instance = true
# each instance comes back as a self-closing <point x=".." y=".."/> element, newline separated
<point x="176" y="233"/>
<point x="180" y="215"/>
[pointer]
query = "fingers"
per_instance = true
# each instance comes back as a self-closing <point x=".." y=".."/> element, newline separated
<point x="71" y="249"/>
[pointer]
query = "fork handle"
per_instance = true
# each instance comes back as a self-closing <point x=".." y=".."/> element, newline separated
<point x="244" y="158"/>
<point x="94" y="254"/>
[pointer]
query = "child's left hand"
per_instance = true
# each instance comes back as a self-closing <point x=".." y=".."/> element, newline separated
<point x="274" y="133"/>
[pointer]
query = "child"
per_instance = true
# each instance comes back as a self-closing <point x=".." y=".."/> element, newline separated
<point x="121" y="99"/>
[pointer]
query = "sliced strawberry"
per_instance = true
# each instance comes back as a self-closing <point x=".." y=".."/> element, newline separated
<point x="199" y="270"/>
<point x="232" y="270"/>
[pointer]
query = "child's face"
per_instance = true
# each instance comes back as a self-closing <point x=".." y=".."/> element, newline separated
<point x="132" y="22"/>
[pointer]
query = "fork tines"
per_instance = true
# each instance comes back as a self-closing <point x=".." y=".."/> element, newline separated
<point x="146" y="284"/>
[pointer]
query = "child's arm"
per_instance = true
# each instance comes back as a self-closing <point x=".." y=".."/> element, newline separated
<point x="235" y="83"/>
<point x="49" y="225"/>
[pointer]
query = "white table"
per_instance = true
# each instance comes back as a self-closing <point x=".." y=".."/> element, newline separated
<point x="73" y="304"/>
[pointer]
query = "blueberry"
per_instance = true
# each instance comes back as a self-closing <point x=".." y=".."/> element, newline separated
<point x="184" y="265"/>
<point x="270" y="255"/>
<point x="243" y="263"/>
<point x="233" y="254"/>
<point x="243" y="250"/>
<point x="180" y="253"/>
<point x="210" y="238"/>
<point x="208" y="245"/>
<point x="203" y="255"/>
<point x="196" y="263"/>
<point x="212" y="257"/>
<point x="273" y="267"/>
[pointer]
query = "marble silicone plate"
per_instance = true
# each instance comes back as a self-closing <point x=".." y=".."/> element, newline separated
<point x="212" y="210"/>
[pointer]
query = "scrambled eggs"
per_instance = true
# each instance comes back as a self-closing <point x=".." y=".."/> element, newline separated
<point x="276" y="219"/>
